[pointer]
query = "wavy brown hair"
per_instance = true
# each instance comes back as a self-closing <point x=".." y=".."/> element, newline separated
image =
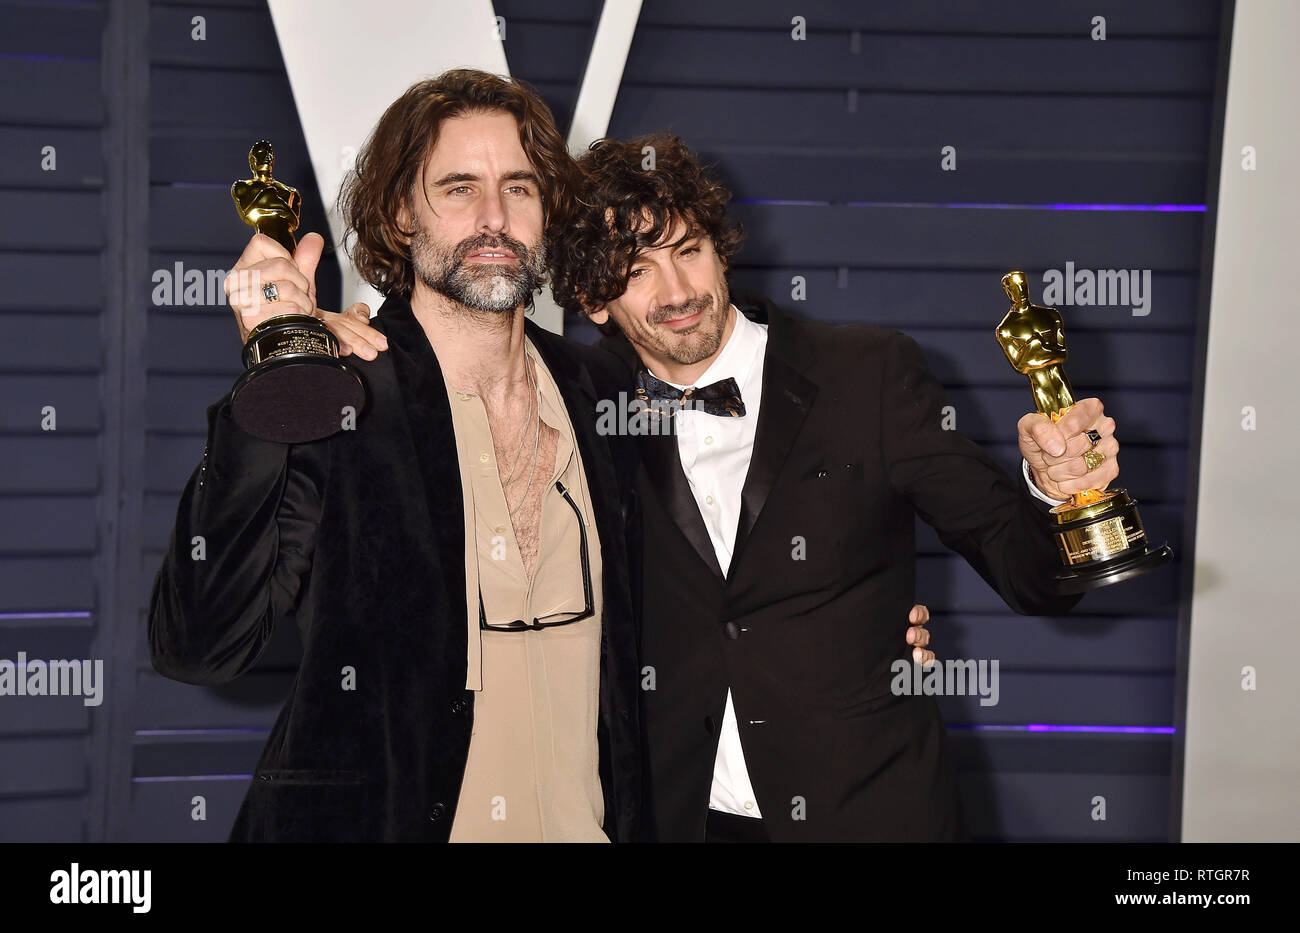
<point x="627" y="206"/>
<point x="386" y="171"/>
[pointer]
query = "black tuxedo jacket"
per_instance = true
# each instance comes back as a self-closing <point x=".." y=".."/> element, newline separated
<point x="359" y="538"/>
<point x="849" y="448"/>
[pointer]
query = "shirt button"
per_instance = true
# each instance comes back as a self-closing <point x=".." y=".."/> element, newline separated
<point x="709" y="439"/>
<point x="500" y="529"/>
<point x="437" y="812"/>
<point x="749" y="804"/>
<point x="709" y="500"/>
<point x="483" y="458"/>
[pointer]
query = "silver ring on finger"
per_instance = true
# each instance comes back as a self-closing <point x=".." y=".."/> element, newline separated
<point x="270" y="292"/>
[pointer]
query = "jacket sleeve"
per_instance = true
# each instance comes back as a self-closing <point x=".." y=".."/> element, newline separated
<point x="976" y="508"/>
<point x="239" y="555"/>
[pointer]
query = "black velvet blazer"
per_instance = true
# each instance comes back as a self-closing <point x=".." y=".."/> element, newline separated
<point x="359" y="539"/>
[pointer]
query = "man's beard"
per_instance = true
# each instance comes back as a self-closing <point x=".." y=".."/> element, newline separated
<point x="489" y="287"/>
<point x="701" y="340"/>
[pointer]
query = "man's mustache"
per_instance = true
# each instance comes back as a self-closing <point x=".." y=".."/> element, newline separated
<point x="669" y="312"/>
<point x="487" y="241"/>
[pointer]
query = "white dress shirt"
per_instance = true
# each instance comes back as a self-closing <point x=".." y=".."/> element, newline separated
<point x="715" y="453"/>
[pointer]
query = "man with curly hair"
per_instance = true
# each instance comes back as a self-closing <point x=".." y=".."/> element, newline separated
<point x="779" y="523"/>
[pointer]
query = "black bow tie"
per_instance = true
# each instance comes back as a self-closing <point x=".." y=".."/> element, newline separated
<point x="721" y="398"/>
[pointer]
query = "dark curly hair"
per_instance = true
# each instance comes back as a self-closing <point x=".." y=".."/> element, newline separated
<point x="384" y="176"/>
<point x="593" y="257"/>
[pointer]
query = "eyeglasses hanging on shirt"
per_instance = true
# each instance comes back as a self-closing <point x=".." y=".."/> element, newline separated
<point x="558" y="618"/>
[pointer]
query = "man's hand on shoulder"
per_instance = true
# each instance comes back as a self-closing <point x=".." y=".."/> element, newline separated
<point x="353" y="331"/>
<point x="1055" y="452"/>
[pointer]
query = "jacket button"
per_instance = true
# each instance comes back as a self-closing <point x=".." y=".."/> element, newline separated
<point x="732" y="630"/>
<point x="437" y="812"/>
<point x="459" y="706"/>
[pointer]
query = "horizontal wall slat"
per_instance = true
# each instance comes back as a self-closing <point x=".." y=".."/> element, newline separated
<point x="1125" y="698"/>
<point x="53" y="281"/>
<point x="49" y="463"/>
<point x="70" y="92"/>
<point x="63" y="220"/>
<point x="1093" y="123"/>
<point x="1059" y="807"/>
<point x="823" y="235"/>
<point x="1021" y="176"/>
<point x="736" y="56"/>
<point x="1007" y="17"/>
<point x="48" y="524"/>
<point x="47" y="583"/>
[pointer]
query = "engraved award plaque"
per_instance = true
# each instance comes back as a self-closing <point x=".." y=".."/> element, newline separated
<point x="1098" y="533"/>
<point x="294" y="388"/>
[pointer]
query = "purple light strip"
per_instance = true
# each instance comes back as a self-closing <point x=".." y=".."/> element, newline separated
<point x="997" y="206"/>
<point x="5" y="616"/>
<point x="1054" y="727"/>
<point x="231" y="731"/>
<point x="171" y="778"/>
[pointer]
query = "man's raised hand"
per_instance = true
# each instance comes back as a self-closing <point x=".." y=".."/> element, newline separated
<point x="1055" y="451"/>
<point x="265" y="262"/>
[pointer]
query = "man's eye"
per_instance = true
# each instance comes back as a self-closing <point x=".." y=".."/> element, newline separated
<point x="460" y="189"/>
<point x="689" y="250"/>
<point x="634" y="273"/>
<point x="519" y="190"/>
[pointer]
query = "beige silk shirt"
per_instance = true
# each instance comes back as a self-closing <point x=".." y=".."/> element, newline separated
<point x="532" y="773"/>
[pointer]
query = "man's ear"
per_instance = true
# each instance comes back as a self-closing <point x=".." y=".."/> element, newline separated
<point x="404" y="222"/>
<point x="598" y="315"/>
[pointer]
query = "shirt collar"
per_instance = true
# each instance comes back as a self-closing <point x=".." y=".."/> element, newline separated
<point x="736" y="360"/>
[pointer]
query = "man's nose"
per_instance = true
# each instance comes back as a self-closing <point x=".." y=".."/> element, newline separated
<point x="674" y="290"/>
<point x="492" y="213"/>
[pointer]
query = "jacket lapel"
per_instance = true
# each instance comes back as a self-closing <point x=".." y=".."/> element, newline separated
<point x="428" y="413"/>
<point x="787" y="397"/>
<point x="663" y="466"/>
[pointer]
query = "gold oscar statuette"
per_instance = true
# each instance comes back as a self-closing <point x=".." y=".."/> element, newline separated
<point x="1098" y="533"/>
<point x="294" y="387"/>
